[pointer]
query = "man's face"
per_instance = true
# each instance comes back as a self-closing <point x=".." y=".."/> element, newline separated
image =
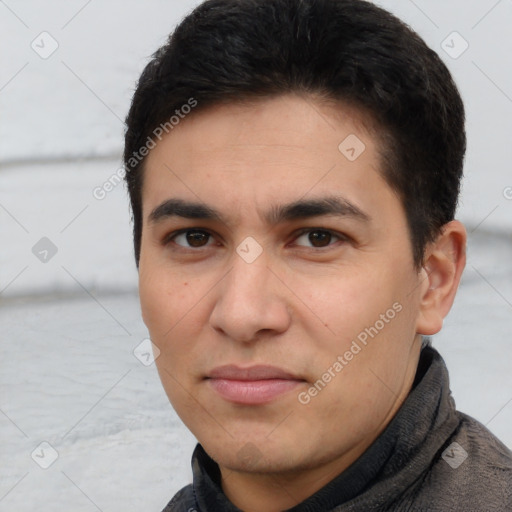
<point x="264" y="284"/>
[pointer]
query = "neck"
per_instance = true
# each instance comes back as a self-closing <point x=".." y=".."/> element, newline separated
<point x="274" y="492"/>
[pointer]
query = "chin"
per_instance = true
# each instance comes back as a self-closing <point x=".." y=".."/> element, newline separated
<point x="257" y="454"/>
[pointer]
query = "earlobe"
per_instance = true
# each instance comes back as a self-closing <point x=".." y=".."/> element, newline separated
<point x="444" y="262"/>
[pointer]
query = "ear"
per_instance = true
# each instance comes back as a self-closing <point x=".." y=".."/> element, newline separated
<point x="444" y="262"/>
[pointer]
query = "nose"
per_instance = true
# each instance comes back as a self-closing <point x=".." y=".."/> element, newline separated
<point x="251" y="301"/>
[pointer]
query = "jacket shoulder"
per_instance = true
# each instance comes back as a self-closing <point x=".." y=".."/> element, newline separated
<point x="183" y="501"/>
<point x="472" y="471"/>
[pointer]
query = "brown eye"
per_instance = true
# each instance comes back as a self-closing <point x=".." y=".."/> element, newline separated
<point x="197" y="238"/>
<point x="320" y="238"/>
<point x="317" y="238"/>
<point x="191" y="238"/>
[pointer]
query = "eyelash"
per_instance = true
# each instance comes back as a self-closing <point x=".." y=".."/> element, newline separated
<point x="170" y="238"/>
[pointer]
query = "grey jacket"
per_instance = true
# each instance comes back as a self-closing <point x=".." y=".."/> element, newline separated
<point x="430" y="458"/>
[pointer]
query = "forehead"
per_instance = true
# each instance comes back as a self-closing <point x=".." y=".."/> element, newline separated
<point x="277" y="150"/>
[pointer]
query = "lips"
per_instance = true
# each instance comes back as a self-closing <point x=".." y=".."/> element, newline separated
<point x="252" y="386"/>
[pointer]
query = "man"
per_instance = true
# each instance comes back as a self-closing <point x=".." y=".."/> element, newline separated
<point x="293" y="169"/>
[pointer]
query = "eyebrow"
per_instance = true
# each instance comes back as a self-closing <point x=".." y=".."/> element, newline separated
<point x="301" y="209"/>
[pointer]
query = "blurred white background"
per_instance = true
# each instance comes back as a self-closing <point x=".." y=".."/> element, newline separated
<point x="69" y="317"/>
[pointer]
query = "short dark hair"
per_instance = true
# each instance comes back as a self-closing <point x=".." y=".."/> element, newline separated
<point x="350" y="51"/>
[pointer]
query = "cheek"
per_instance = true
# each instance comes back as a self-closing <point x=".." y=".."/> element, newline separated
<point x="162" y="298"/>
<point x="164" y="308"/>
<point x="345" y="301"/>
<point x="152" y="297"/>
<point x="358" y="310"/>
<point x="175" y="312"/>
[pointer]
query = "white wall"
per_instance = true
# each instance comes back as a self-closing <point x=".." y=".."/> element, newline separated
<point x="61" y="126"/>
